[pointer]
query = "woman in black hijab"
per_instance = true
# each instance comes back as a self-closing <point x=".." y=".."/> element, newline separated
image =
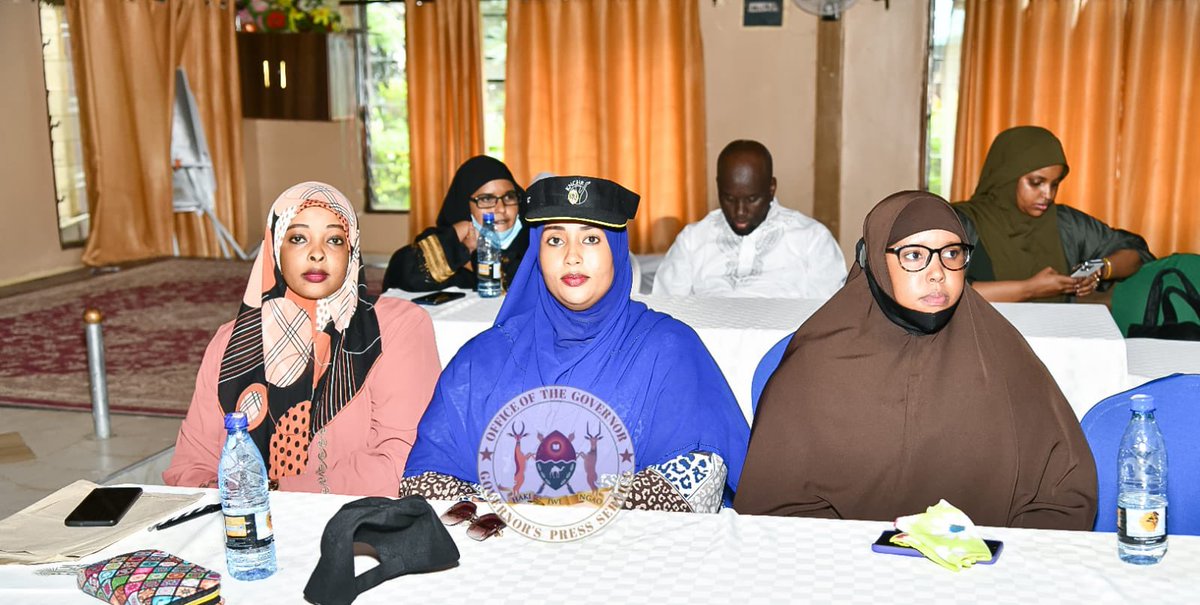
<point x="443" y="256"/>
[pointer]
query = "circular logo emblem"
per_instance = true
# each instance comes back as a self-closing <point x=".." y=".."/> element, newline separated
<point x="556" y="463"/>
<point x="577" y="192"/>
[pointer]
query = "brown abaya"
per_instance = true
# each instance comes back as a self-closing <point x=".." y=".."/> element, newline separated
<point x="866" y="419"/>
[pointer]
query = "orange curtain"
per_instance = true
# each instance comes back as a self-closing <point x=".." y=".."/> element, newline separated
<point x="1116" y="81"/>
<point x="210" y="61"/>
<point x="1158" y="191"/>
<point x="125" y="55"/>
<point x="445" y="99"/>
<point x="614" y="89"/>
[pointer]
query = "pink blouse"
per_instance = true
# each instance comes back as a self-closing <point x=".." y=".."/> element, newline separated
<point x="364" y="447"/>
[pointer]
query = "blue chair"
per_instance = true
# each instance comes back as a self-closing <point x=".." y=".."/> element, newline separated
<point x="763" y="372"/>
<point x="1177" y="398"/>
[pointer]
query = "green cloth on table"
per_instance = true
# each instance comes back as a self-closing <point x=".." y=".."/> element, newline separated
<point x="945" y="535"/>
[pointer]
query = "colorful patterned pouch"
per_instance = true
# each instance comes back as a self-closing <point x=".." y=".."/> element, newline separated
<point x="150" y="577"/>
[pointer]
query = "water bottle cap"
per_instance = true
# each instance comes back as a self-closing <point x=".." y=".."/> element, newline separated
<point x="1142" y="403"/>
<point x="489" y="217"/>
<point x="235" y="421"/>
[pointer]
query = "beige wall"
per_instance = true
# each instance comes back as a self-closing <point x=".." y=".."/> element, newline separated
<point x="884" y="63"/>
<point x="760" y="85"/>
<point x="29" y="236"/>
<point x="279" y="154"/>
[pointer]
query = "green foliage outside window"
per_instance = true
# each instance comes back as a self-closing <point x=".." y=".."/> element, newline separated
<point x="494" y="14"/>
<point x="387" y="106"/>
<point x="388" y="162"/>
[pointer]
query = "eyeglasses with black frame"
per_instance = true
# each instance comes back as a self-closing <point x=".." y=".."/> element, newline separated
<point x="481" y="527"/>
<point x="915" y="257"/>
<point x="488" y="200"/>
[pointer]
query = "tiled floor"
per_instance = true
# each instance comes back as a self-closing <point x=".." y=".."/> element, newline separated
<point x="66" y="450"/>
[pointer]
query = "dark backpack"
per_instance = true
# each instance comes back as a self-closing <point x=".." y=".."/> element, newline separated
<point x="1159" y="302"/>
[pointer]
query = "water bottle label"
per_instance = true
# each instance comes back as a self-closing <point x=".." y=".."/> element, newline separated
<point x="244" y="532"/>
<point x="487" y="270"/>
<point x="1142" y="526"/>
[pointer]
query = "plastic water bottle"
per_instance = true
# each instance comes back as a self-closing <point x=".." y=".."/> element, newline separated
<point x="242" y="476"/>
<point x="487" y="259"/>
<point x="1142" y="487"/>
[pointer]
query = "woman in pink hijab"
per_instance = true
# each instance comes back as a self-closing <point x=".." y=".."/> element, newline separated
<point x="332" y="381"/>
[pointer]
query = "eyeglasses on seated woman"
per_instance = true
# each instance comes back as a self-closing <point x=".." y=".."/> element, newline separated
<point x="908" y="387"/>
<point x="443" y="256"/>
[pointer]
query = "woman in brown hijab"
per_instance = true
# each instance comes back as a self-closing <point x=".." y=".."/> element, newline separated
<point x="907" y="387"/>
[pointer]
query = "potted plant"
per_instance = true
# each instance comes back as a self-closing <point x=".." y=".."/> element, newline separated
<point x="289" y="16"/>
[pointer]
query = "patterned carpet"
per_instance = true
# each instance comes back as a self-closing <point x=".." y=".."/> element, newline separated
<point x="158" y="321"/>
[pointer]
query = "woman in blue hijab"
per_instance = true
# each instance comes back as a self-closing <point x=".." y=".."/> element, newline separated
<point x="568" y="320"/>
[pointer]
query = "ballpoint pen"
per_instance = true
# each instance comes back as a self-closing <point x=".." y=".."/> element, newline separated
<point x="199" y="512"/>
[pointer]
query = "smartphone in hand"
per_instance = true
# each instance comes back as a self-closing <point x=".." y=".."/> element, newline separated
<point x="103" y="507"/>
<point x="884" y="545"/>
<point x="1087" y="268"/>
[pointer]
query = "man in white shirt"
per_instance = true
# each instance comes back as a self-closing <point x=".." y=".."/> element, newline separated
<point x="751" y="245"/>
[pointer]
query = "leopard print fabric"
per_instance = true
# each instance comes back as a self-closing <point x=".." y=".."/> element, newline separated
<point x="652" y="492"/>
<point x="689" y="483"/>
<point x="436" y="486"/>
<point x="692" y="482"/>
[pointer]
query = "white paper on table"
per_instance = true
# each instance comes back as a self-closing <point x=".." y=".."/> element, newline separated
<point x="37" y="534"/>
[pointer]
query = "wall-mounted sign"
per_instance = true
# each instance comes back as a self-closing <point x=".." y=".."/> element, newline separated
<point x="759" y="13"/>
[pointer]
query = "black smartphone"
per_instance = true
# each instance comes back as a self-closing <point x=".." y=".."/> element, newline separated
<point x="103" y="507"/>
<point x="438" y="298"/>
<point x="885" y="546"/>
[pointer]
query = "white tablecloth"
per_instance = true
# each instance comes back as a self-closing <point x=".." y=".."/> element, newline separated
<point x="1150" y="358"/>
<point x="653" y="557"/>
<point x="1080" y="344"/>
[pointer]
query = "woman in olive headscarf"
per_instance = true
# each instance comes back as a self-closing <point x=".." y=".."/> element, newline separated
<point x="907" y="387"/>
<point x="1026" y="246"/>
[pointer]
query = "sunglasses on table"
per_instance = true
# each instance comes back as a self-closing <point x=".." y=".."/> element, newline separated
<point x="481" y="527"/>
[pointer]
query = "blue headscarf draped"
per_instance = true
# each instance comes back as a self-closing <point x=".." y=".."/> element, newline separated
<point x="652" y="369"/>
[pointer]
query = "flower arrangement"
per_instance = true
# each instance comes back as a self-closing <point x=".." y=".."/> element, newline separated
<point x="289" y="16"/>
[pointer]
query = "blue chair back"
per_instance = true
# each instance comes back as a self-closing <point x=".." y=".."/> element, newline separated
<point x="763" y="372"/>
<point x="1177" y="398"/>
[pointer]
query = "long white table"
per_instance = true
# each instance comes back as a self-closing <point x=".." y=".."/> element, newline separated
<point x="1151" y="358"/>
<point x="1080" y="344"/>
<point x="649" y="557"/>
